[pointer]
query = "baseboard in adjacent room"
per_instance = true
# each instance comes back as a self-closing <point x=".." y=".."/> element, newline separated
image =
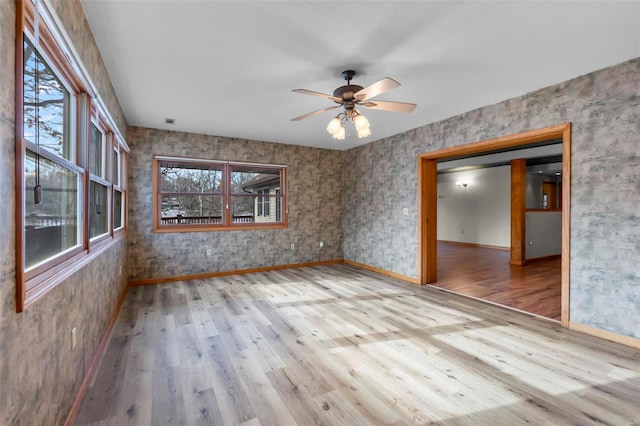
<point x="460" y="243"/>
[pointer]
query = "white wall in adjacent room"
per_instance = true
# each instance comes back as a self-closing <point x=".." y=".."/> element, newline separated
<point x="478" y="213"/>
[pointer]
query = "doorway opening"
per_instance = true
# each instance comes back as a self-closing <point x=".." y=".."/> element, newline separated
<point x="428" y="202"/>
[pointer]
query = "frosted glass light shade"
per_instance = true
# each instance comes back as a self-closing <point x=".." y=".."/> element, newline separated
<point x="340" y="134"/>
<point x="361" y="122"/>
<point x="334" y="125"/>
<point x="364" y="133"/>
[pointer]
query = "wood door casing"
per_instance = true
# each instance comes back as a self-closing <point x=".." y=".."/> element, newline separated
<point x="427" y="176"/>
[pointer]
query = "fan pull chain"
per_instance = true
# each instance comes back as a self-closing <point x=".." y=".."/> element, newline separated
<point x="37" y="189"/>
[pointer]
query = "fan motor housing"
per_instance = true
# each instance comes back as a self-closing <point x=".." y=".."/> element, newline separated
<point x="347" y="92"/>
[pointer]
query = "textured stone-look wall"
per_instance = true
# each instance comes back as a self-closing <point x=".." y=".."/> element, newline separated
<point x="39" y="373"/>
<point x="604" y="108"/>
<point x="315" y="208"/>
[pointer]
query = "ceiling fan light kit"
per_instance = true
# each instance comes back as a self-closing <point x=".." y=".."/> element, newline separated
<point x="350" y="95"/>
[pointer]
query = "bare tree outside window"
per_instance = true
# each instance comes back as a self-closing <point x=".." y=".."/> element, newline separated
<point x="199" y="192"/>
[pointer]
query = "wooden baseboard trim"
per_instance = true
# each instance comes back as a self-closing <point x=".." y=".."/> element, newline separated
<point x="550" y="257"/>
<point x="460" y="243"/>
<point x="95" y="362"/>
<point x="382" y="271"/>
<point x="604" y="334"/>
<point x="164" y="280"/>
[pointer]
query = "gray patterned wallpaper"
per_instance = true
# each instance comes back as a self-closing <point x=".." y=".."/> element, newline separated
<point x="39" y="373"/>
<point x="604" y="108"/>
<point x="361" y="203"/>
<point x="315" y="208"/>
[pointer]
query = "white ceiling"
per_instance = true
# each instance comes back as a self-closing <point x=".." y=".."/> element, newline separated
<point x="228" y="67"/>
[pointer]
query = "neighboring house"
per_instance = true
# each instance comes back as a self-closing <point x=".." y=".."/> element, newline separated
<point x="267" y="206"/>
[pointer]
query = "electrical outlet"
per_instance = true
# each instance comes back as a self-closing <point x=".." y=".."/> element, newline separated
<point x="208" y="252"/>
<point x="74" y="340"/>
<point x="405" y="211"/>
<point x="293" y="246"/>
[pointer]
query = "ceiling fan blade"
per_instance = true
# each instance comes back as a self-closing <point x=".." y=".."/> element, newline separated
<point x="311" y="114"/>
<point x="318" y="94"/>
<point x="390" y="106"/>
<point x="377" y="88"/>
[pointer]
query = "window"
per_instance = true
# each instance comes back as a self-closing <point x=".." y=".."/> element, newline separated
<point x="278" y="206"/>
<point x="262" y="200"/>
<point x="99" y="190"/>
<point x="191" y="194"/>
<point x="51" y="226"/>
<point x="67" y="180"/>
<point x="118" y="179"/>
<point x="52" y="185"/>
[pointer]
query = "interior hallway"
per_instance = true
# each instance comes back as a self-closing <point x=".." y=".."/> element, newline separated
<point x="485" y="273"/>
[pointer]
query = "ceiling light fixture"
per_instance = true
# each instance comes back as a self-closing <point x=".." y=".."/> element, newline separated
<point x="350" y="95"/>
<point x="337" y="126"/>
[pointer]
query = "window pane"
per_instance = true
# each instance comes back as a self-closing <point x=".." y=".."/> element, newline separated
<point x="193" y="178"/>
<point x="248" y="179"/>
<point x="191" y="209"/>
<point x="117" y="209"/>
<point x="51" y="227"/>
<point x="116" y="168"/>
<point x="243" y="208"/>
<point x="95" y="151"/>
<point x="53" y="106"/>
<point x="98" y="210"/>
<point x="278" y="202"/>
<point x="264" y="207"/>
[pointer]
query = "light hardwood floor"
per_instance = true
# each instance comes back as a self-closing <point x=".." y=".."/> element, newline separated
<point x="485" y="273"/>
<point x="336" y="345"/>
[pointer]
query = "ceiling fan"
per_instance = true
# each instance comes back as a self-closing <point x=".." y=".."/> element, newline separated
<point x="351" y="95"/>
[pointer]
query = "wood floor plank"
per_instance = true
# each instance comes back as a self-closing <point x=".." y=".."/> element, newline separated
<point x="336" y="345"/>
<point x="102" y="402"/>
<point x="486" y="273"/>
<point x="135" y="398"/>
<point x="230" y="392"/>
<point x="167" y="401"/>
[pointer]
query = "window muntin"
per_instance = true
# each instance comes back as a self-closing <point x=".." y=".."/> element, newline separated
<point x="51" y="227"/>
<point x="214" y="194"/>
<point x="53" y="108"/>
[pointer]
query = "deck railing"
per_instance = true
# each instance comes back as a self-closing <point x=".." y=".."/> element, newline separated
<point x="208" y="220"/>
